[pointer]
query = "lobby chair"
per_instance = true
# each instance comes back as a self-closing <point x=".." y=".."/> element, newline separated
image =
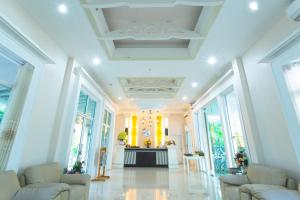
<point x="52" y="173"/>
<point x="258" y="179"/>
<point x="275" y="194"/>
<point x="10" y="189"/>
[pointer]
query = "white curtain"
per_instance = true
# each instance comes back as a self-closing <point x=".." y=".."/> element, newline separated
<point x="292" y="77"/>
<point x="13" y="113"/>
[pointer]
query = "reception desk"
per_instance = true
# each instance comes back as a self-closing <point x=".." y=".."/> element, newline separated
<point x="145" y="157"/>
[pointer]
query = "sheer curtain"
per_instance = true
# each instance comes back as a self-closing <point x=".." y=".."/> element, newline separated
<point x="13" y="113"/>
<point x="292" y="77"/>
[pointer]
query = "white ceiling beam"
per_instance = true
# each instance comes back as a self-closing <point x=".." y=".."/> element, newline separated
<point x="152" y="36"/>
<point x="149" y="3"/>
<point x="152" y="31"/>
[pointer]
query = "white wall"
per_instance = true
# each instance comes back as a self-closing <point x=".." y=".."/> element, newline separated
<point x="276" y="144"/>
<point x="37" y="143"/>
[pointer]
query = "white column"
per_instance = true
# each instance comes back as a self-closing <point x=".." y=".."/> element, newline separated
<point x="61" y="113"/>
<point x="248" y="116"/>
<point x="64" y="140"/>
<point x="13" y="113"/>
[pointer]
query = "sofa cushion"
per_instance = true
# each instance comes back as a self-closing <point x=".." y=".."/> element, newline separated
<point x="48" y="173"/>
<point x="77" y="192"/>
<point x="41" y="191"/>
<point x="9" y="185"/>
<point x="256" y="188"/>
<point x="258" y="174"/>
<point x="278" y="194"/>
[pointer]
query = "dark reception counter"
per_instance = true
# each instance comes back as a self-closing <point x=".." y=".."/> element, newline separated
<point x="145" y="157"/>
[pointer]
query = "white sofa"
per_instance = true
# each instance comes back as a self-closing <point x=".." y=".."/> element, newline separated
<point x="10" y="189"/>
<point x="271" y="193"/>
<point x="258" y="179"/>
<point x="52" y="174"/>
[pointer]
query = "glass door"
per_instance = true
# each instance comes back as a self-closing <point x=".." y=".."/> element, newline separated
<point x="235" y="125"/>
<point x="83" y="132"/>
<point x="105" y="136"/>
<point x="216" y="138"/>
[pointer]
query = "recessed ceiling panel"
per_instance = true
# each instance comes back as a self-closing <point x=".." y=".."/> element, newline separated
<point x="180" y="16"/>
<point x="133" y="29"/>
<point x="142" y="87"/>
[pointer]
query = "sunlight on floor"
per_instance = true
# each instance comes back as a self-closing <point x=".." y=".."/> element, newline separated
<point x="156" y="184"/>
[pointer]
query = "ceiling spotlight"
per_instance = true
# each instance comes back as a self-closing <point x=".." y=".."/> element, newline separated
<point x="120" y="98"/>
<point x="194" y="84"/>
<point x="96" y="61"/>
<point x="212" y="60"/>
<point x="62" y="8"/>
<point x="184" y="98"/>
<point x="253" y="5"/>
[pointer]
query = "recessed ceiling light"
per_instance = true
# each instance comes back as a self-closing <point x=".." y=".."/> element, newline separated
<point x="194" y="84"/>
<point x="212" y="60"/>
<point x="120" y="98"/>
<point x="184" y="98"/>
<point x="253" y="5"/>
<point x="96" y="61"/>
<point x="62" y="8"/>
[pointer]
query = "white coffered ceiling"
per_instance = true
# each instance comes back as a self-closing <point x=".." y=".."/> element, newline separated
<point x="151" y="29"/>
<point x="231" y="34"/>
<point x="149" y="88"/>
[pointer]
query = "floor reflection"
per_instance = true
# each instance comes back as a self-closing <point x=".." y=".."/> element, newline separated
<point x="156" y="184"/>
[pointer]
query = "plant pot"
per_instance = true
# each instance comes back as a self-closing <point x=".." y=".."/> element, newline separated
<point x="121" y="142"/>
<point x="148" y="146"/>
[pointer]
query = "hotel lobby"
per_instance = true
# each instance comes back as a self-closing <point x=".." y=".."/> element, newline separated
<point x="149" y="100"/>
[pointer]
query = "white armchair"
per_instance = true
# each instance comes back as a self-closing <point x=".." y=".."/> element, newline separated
<point x="258" y="178"/>
<point x="10" y="189"/>
<point x="52" y="173"/>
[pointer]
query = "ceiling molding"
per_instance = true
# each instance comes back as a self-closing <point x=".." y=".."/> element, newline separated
<point x="152" y="31"/>
<point x="281" y="47"/>
<point x="11" y="33"/>
<point x="143" y="88"/>
<point x="139" y="30"/>
<point x="149" y="3"/>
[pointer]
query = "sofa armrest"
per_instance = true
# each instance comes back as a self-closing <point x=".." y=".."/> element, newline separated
<point x="235" y="179"/>
<point x="76" y="179"/>
<point x="291" y="184"/>
<point x="41" y="191"/>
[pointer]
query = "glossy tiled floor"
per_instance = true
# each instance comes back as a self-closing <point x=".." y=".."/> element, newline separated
<point x="156" y="184"/>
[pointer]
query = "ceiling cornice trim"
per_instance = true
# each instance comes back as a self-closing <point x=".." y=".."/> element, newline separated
<point x="164" y="31"/>
<point x="11" y="33"/>
<point x="149" y="3"/>
<point x="89" y="78"/>
<point x="281" y="47"/>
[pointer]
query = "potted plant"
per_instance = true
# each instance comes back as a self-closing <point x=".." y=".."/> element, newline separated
<point x="77" y="167"/>
<point x="199" y="153"/>
<point x="147" y="143"/>
<point x="170" y="142"/>
<point x="122" y="137"/>
<point x="241" y="160"/>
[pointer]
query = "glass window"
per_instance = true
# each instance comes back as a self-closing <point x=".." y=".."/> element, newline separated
<point x="83" y="131"/>
<point x="106" y="127"/>
<point x="216" y="137"/>
<point x="234" y="121"/>
<point x="4" y="96"/>
<point x="292" y="77"/>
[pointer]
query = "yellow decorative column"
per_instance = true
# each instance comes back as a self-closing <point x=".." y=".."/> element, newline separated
<point x="134" y="130"/>
<point x="159" y="132"/>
